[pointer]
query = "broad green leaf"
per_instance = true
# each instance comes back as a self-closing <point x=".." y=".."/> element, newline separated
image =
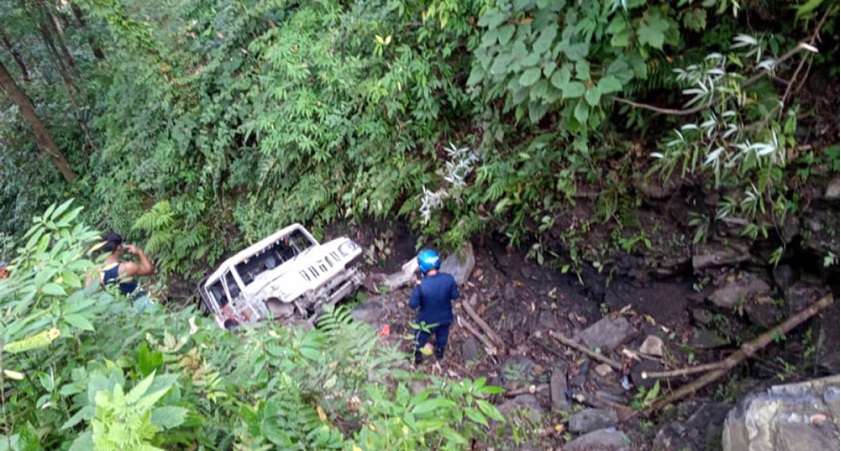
<point x="85" y="413"/>
<point x="561" y="77"/>
<point x="544" y="42"/>
<point x="617" y="24"/>
<point x="609" y="84"/>
<point x="538" y="91"/>
<point x="432" y="404"/>
<point x="79" y="322"/>
<point x="476" y="416"/>
<point x="84" y="442"/>
<point x="169" y="417"/>
<point x="573" y="89"/>
<point x="39" y="340"/>
<point x="140" y="389"/>
<point x="489" y="410"/>
<point x="530" y="76"/>
<point x="491" y="19"/>
<point x="582" y="112"/>
<point x="621" y="39"/>
<point x="593" y="95"/>
<point x="505" y="34"/>
<point x="476" y="76"/>
<point x="54" y="289"/>
<point x="582" y="70"/>
<point x="653" y="32"/>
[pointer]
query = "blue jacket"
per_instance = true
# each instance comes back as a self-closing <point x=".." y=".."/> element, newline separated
<point x="434" y="296"/>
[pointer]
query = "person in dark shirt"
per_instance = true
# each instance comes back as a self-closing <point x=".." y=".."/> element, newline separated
<point x="434" y="295"/>
<point x="121" y="273"/>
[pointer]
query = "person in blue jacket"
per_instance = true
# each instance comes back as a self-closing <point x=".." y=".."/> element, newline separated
<point x="434" y="295"/>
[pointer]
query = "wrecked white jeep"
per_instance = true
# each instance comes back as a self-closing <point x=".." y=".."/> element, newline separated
<point x="287" y="276"/>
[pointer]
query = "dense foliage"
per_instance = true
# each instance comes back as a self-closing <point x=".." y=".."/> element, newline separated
<point x="187" y="122"/>
<point x="195" y="126"/>
<point x="81" y="367"/>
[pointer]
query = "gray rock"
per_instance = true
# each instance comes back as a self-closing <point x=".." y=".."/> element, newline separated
<point x="700" y="432"/>
<point x="509" y="294"/>
<point x="652" y="345"/>
<point x="800" y="295"/>
<point x="372" y="312"/>
<point x="460" y="265"/>
<point x="602" y="440"/>
<point x="706" y="339"/>
<point x="784" y="276"/>
<point x="603" y="369"/>
<point x="832" y="189"/>
<point x="607" y="334"/>
<point x="702" y="315"/>
<point x="558" y="390"/>
<point x="764" y="311"/>
<point x="745" y="286"/>
<point x="517" y="369"/>
<point x="654" y="188"/>
<point x="469" y="349"/>
<point x="547" y="320"/>
<point x="785" y="417"/>
<point x="525" y="405"/>
<point x="717" y="254"/>
<point x="588" y="420"/>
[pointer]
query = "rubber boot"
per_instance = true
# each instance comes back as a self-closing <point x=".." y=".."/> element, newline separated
<point x="439" y="353"/>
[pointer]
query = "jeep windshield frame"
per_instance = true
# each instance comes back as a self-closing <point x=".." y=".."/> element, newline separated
<point x="228" y="283"/>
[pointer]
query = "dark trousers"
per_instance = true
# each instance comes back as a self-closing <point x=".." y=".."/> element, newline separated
<point x="442" y="333"/>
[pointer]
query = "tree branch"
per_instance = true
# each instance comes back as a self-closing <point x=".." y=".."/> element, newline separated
<point x="686" y="112"/>
<point x="601" y="358"/>
<point x="747" y="350"/>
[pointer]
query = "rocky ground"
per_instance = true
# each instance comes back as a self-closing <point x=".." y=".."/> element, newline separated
<point x="643" y="321"/>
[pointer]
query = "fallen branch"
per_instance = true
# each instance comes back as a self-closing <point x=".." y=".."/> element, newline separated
<point x="600" y="402"/>
<point x="524" y="390"/>
<point x="747" y="350"/>
<point x="688" y="111"/>
<point x="601" y="358"/>
<point x="683" y="371"/>
<point x="489" y="347"/>
<point x="482" y="324"/>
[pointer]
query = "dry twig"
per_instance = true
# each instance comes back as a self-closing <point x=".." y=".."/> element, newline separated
<point x="601" y="358"/>
<point x="747" y="350"/>
<point x="489" y="347"/>
<point x="482" y="324"/>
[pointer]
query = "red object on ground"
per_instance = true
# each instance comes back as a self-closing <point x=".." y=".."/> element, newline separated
<point x="385" y="330"/>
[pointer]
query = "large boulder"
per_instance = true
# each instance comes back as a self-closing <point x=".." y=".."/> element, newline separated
<point x="602" y="440"/>
<point x="606" y="334"/>
<point x="719" y="254"/>
<point x="740" y="288"/>
<point x="460" y="264"/>
<point x="793" y="417"/>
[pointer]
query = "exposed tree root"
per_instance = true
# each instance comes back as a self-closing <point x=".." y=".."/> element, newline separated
<point x="717" y="370"/>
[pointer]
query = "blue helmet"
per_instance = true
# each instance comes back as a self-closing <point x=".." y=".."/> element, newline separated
<point x="427" y="260"/>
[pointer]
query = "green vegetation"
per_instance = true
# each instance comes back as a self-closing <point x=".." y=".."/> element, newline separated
<point x="194" y="127"/>
<point x="80" y="366"/>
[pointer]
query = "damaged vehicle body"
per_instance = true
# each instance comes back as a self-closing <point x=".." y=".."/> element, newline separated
<point x="288" y="276"/>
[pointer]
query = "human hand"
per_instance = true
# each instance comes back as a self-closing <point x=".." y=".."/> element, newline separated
<point x="131" y="249"/>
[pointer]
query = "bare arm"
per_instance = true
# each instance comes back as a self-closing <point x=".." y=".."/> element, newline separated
<point x="144" y="268"/>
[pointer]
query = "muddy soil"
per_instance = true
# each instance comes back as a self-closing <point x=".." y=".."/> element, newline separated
<point x="523" y="302"/>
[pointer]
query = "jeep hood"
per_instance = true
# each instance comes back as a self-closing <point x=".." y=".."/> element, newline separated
<point x="307" y="271"/>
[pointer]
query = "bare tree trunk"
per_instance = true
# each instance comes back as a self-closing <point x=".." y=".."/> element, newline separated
<point x="69" y="86"/>
<point x="80" y="17"/>
<point x="56" y="28"/>
<point x="30" y="116"/>
<point x="15" y="54"/>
